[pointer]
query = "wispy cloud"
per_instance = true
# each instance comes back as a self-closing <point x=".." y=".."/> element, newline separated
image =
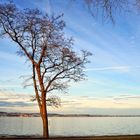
<point x="114" y="68"/>
<point x="17" y="102"/>
<point x="14" y="104"/>
<point x="131" y="101"/>
<point x="127" y="97"/>
<point x="70" y="104"/>
<point x="6" y="56"/>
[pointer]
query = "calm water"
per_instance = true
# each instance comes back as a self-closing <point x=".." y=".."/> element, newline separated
<point x="67" y="126"/>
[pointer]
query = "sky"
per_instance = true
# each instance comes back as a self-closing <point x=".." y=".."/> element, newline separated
<point x="113" y="76"/>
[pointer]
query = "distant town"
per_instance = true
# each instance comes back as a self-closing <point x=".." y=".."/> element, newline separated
<point x="12" y="114"/>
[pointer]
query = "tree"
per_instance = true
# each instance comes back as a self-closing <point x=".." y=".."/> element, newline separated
<point x="40" y="39"/>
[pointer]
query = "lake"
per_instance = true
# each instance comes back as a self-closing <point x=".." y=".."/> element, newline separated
<point x="71" y="126"/>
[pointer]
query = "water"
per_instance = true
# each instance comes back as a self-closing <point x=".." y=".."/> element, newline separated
<point x="71" y="126"/>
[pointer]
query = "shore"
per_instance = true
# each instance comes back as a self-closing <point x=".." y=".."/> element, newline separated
<point x="121" y="137"/>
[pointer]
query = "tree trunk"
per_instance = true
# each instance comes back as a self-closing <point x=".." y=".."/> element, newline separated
<point x="45" y="120"/>
<point x="43" y="109"/>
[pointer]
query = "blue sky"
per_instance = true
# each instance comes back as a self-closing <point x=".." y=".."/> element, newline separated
<point x="113" y="74"/>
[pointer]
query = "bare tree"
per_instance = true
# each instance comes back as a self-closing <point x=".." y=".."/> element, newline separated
<point x="40" y="39"/>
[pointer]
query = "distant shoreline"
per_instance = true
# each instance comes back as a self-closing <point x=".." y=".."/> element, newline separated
<point x="15" y="114"/>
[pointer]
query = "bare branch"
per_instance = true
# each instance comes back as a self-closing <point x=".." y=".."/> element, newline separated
<point x="40" y="39"/>
<point x="54" y="101"/>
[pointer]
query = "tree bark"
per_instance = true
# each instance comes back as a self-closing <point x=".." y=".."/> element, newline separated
<point x="44" y="119"/>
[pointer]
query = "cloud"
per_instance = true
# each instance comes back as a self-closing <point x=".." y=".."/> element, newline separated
<point x="11" y="98"/>
<point x="5" y="56"/>
<point x="14" y="104"/>
<point x="98" y="105"/>
<point x="127" y="97"/>
<point x="44" y="5"/>
<point x="131" y="101"/>
<point x="114" y="68"/>
<point x="70" y="104"/>
<point x="17" y="102"/>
